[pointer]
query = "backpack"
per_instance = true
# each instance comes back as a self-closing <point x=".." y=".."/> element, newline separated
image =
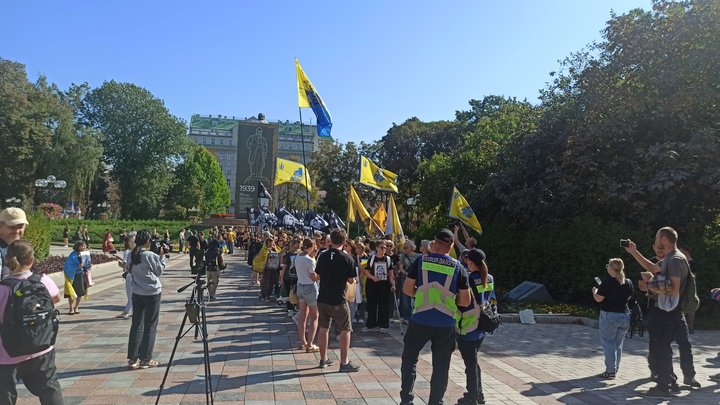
<point x="489" y="318"/>
<point x="689" y="300"/>
<point x="30" y="322"/>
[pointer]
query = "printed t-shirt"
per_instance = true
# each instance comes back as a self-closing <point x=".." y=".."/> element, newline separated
<point x="380" y="267"/>
<point x="674" y="264"/>
<point x="460" y="282"/>
<point x="5" y="358"/>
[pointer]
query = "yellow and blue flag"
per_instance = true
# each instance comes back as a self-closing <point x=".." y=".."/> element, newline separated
<point x="373" y="176"/>
<point x="308" y="97"/>
<point x="287" y="171"/>
<point x="461" y="210"/>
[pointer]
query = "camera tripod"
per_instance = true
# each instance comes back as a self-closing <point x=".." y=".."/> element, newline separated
<point x="195" y="314"/>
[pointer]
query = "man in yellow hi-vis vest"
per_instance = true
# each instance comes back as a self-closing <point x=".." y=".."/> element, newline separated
<point x="439" y="284"/>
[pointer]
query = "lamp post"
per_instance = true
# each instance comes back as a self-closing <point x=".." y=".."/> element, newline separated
<point x="103" y="207"/>
<point x="51" y="182"/>
<point x="12" y="201"/>
<point x="193" y="211"/>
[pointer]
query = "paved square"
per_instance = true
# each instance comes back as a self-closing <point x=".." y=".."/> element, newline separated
<point x="254" y="360"/>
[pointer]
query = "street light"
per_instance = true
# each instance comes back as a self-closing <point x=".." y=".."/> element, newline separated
<point x="13" y="201"/>
<point x="50" y="180"/>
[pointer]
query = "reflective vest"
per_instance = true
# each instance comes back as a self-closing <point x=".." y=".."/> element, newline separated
<point x="435" y="295"/>
<point x="470" y="316"/>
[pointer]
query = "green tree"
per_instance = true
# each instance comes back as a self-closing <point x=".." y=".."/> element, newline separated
<point x="333" y="168"/>
<point x="199" y="182"/>
<point x="143" y="143"/>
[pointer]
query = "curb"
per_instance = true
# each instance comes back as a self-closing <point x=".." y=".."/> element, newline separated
<point x="553" y="319"/>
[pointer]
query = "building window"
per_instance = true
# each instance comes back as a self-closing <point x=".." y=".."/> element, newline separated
<point x="222" y="142"/>
<point x="212" y="141"/>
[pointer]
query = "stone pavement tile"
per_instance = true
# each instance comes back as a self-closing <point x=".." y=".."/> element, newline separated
<point x="373" y="393"/>
<point x="316" y="395"/>
<point x="289" y="395"/>
<point x="259" y="396"/>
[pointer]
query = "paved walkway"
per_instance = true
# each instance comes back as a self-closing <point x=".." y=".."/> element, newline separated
<point x="253" y="361"/>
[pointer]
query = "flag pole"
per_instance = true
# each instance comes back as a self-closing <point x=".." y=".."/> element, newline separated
<point x="302" y="140"/>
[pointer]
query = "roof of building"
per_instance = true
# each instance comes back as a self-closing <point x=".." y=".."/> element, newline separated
<point x="222" y="123"/>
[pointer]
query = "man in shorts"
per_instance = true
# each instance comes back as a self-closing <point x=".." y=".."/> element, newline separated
<point x="335" y="269"/>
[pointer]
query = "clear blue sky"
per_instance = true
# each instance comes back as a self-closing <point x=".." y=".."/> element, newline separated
<point x="374" y="62"/>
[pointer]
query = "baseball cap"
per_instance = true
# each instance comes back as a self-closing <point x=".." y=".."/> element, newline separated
<point x="474" y="255"/>
<point x="444" y="235"/>
<point x="13" y="216"/>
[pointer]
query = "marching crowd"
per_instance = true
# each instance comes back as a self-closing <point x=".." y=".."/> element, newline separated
<point x="330" y="280"/>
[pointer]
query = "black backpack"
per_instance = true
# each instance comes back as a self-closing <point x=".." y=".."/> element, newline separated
<point x="30" y="322"/>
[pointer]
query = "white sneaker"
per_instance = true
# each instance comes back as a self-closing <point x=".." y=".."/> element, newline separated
<point x="384" y="330"/>
<point x="366" y="329"/>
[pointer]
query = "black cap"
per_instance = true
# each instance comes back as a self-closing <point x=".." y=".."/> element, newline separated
<point x="474" y="255"/>
<point x="444" y="235"/>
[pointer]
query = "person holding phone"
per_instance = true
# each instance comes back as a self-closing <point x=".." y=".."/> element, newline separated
<point x="613" y="295"/>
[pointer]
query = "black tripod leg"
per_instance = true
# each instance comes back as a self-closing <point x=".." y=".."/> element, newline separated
<point x="206" y="354"/>
<point x="172" y="355"/>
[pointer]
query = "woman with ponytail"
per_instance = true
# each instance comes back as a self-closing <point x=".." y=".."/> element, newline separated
<point x="37" y="370"/>
<point x="145" y="267"/>
<point x="613" y="295"/>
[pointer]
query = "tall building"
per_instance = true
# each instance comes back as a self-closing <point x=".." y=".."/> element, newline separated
<point x="219" y="134"/>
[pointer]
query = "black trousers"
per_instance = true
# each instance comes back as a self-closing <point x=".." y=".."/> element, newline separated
<point x="442" y="345"/>
<point x="473" y="381"/>
<point x="146" y="313"/>
<point x="193" y="255"/>
<point x="663" y="328"/>
<point x="39" y="376"/>
<point x="682" y="338"/>
<point x="379" y="302"/>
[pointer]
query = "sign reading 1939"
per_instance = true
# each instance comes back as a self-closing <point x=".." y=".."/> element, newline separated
<point x="247" y="189"/>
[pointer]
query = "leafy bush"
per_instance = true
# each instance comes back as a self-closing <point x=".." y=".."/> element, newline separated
<point x="39" y="234"/>
<point x="51" y="210"/>
<point x="96" y="229"/>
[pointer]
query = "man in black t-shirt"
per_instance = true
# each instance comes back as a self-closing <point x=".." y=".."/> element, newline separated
<point x="335" y="268"/>
<point x="194" y="246"/>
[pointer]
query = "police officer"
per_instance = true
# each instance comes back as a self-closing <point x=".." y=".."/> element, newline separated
<point x="470" y="336"/>
<point x="439" y="284"/>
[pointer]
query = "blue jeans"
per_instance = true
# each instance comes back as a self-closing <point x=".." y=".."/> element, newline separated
<point x="405" y="305"/>
<point x="613" y="327"/>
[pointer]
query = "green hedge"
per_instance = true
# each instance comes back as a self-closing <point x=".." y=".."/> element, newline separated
<point x="39" y="233"/>
<point x="96" y="229"/>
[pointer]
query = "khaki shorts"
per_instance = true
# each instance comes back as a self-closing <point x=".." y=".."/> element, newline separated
<point x="340" y="314"/>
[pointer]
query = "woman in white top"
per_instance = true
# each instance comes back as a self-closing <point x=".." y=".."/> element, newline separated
<point x="307" y="293"/>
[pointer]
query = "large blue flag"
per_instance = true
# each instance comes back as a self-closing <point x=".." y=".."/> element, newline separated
<point x="308" y="97"/>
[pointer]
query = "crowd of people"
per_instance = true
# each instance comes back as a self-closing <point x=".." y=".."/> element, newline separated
<point x="441" y="293"/>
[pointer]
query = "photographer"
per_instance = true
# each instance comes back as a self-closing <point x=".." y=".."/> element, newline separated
<point x="146" y="267"/>
<point x="682" y="337"/>
<point x="613" y="295"/>
<point x="213" y="264"/>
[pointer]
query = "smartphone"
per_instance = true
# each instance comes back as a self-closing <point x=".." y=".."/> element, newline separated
<point x="598" y="281"/>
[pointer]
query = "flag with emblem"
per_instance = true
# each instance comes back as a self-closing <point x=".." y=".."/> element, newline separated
<point x="287" y="171"/>
<point x="461" y="210"/>
<point x="373" y="176"/>
<point x="308" y="97"/>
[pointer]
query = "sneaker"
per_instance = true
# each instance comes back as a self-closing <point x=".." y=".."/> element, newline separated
<point x="692" y="382"/>
<point x="349" y="368"/>
<point x="384" y="330"/>
<point x="481" y="398"/>
<point x="133" y="364"/>
<point x="149" y="364"/>
<point x="657" y="392"/>
<point x="366" y="329"/>
<point x="325" y="363"/>
<point x="674" y="389"/>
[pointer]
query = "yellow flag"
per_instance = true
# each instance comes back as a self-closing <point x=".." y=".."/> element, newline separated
<point x="461" y="210"/>
<point x="287" y="171"/>
<point x="380" y="216"/>
<point x="356" y="206"/>
<point x="373" y="176"/>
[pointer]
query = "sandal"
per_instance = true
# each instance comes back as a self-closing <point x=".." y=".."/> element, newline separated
<point x="312" y="349"/>
<point x="133" y="364"/>
<point x="607" y="375"/>
<point x="149" y="363"/>
<point x="71" y="313"/>
<point x="302" y="346"/>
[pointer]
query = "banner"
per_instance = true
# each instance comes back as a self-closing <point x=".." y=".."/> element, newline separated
<point x="287" y="171"/>
<point x="393" y="227"/>
<point x="308" y="97"/>
<point x="373" y="176"/>
<point x="256" y="150"/>
<point x="461" y="210"/>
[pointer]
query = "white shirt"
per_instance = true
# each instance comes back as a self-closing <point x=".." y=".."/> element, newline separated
<point x="304" y="265"/>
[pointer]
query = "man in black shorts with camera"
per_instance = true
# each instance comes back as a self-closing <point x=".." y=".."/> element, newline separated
<point x="335" y="269"/>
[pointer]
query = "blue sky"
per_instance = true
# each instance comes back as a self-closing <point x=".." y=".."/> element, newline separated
<point x="375" y="63"/>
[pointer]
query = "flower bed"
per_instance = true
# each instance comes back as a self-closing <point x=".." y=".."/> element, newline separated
<point x="54" y="264"/>
<point x="540" y="308"/>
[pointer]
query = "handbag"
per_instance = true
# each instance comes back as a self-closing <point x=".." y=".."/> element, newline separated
<point x="489" y="318"/>
<point x="293" y="299"/>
